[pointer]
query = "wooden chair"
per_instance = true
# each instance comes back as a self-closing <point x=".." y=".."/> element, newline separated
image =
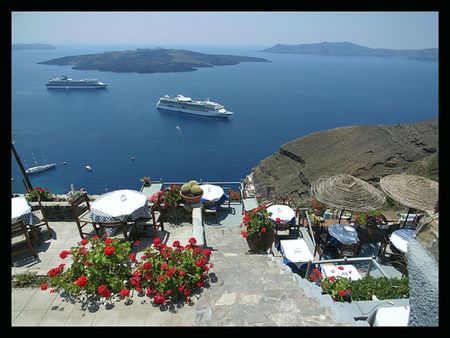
<point x="349" y="250"/>
<point x="120" y="230"/>
<point x="227" y="201"/>
<point x="211" y="209"/>
<point x="19" y="235"/>
<point x="39" y="220"/>
<point x="84" y="218"/>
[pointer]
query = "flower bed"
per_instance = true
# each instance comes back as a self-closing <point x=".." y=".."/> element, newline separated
<point x="105" y="267"/>
<point x="343" y="289"/>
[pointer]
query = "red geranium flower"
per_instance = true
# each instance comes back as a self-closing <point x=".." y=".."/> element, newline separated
<point x="63" y="254"/>
<point x="82" y="281"/>
<point x="192" y="241"/>
<point x="44" y="286"/>
<point x="124" y="292"/>
<point x="147" y="266"/>
<point x="207" y="252"/>
<point x="161" y="278"/>
<point x="176" y="244"/>
<point x="104" y="291"/>
<point x="132" y="256"/>
<point x="278" y="220"/>
<point x="109" y="250"/>
<point x="84" y="242"/>
<point x="108" y="241"/>
<point x="263" y="230"/>
<point x="159" y="298"/>
<point x="244" y="234"/>
<point x="182" y="273"/>
<point x="164" y="266"/>
<point x="157" y="241"/>
<point x="136" y="242"/>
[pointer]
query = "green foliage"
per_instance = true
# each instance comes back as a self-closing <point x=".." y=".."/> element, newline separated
<point x="172" y="197"/>
<point x="390" y="204"/>
<point x="370" y="218"/>
<point x="172" y="272"/>
<point x="366" y="288"/>
<point x="433" y="168"/>
<point x="43" y="193"/>
<point x="100" y="261"/>
<point x="28" y="279"/>
<point x="257" y="221"/>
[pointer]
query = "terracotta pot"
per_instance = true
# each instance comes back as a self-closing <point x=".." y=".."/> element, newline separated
<point x="261" y="242"/>
<point x="191" y="199"/>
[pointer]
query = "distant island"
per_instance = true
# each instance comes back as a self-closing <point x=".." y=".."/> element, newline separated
<point x="351" y="49"/>
<point x="157" y="60"/>
<point x="32" y="46"/>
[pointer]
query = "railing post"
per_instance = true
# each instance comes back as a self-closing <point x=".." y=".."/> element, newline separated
<point x="369" y="268"/>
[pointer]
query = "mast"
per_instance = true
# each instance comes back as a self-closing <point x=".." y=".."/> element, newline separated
<point x="45" y="162"/>
<point x="28" y="185"/>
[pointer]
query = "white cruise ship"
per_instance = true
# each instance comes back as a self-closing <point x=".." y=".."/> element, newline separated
<point x="66" y="83"/>
<point x="185" y="104"/>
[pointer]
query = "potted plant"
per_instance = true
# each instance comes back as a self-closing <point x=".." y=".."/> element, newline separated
<point x="258" y="229"/>
<point x="191" y="192"/>
<point x="146" y="181"/>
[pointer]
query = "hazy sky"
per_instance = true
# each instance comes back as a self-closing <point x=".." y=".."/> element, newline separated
<point x="372" y="29"/>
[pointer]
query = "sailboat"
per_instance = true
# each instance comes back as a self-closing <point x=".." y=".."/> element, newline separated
<point x="39" y="168"/>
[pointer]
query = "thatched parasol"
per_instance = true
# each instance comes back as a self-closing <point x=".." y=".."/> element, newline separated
<point x="413" y="191"/>
<point x="347" y="192"/>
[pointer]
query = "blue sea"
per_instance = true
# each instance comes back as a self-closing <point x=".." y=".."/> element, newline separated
<point x="273" y="102"/>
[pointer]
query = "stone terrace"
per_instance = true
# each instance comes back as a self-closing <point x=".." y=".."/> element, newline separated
<point x="245" y="290"/>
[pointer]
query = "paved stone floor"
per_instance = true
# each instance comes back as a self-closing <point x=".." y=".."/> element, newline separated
<point x="245" y="290"/>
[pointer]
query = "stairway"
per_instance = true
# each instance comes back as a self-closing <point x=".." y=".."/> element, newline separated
<point x="258" y="290"/>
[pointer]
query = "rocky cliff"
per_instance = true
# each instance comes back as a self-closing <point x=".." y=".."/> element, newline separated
<point x="367" y="152"/>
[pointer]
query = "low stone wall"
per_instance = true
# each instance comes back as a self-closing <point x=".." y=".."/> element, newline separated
<point x="60" y="211"/>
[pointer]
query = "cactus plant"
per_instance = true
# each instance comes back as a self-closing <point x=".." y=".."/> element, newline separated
<point x="186" y="189"/>
<point x="196" y="190"/>
<point x="192" y="182"/>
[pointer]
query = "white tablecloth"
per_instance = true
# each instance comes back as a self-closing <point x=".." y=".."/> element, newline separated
<point x="347" y="271"/>
<point x="296" y="251"/>
<point x="120" y="205"/>
<point x="211" y="193"/>
<point x="343" y="233"/>
<point x="283" y="212"/>
<point x="21" y="209"/>
<point x="399" y="238"/>
<point x="392" y="316"/>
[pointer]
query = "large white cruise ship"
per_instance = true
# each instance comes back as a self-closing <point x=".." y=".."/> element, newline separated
<point x="185" y="104"/>
<point x="66" y="83"/>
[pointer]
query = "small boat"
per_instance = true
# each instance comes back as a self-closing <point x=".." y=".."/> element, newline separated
<point x="88" y="168"/>
<point x="132" y="158"/>
<point x="40" y="168"/>
<point x="64" y="163"/>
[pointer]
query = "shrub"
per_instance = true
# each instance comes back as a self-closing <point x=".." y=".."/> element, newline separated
<point x="257" y="221"/>
<point x="100" y="267"/>
<point x="43" y="193"/>
<point x="172" y="272"/>
<point x="28" y="279"/>
<point x="342" y="289"/>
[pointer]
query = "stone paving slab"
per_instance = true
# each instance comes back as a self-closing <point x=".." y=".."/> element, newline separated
<point x="245" y="290"/>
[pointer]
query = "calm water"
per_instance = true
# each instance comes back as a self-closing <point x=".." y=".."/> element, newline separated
<point x="274" y="103"/>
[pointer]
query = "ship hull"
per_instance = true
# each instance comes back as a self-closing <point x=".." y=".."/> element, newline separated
<point x="40" y="168"/>
<point x="75" y="87"/>
<point x="210" y="113"/>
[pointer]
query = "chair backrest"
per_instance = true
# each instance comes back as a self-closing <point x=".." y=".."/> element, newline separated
<point x="83" y="198"/>
<point x="349" y="250"/>
<point x="18" y="228"/>
<point x="120" y="227"/>
<point x="40" y="208"/>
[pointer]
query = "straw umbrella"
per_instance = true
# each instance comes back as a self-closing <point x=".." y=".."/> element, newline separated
<point x="347" y="192"/>
<point x="415" y="192"/>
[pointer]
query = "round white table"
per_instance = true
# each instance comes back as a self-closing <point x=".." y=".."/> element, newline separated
<point x="211" y="193"/>
<point x="345" y="234"/>
<point x="120" y="205"/>
<point x="283" y="212"/>
<point x="21" y="209"/>
<point x="399" y="238"/>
